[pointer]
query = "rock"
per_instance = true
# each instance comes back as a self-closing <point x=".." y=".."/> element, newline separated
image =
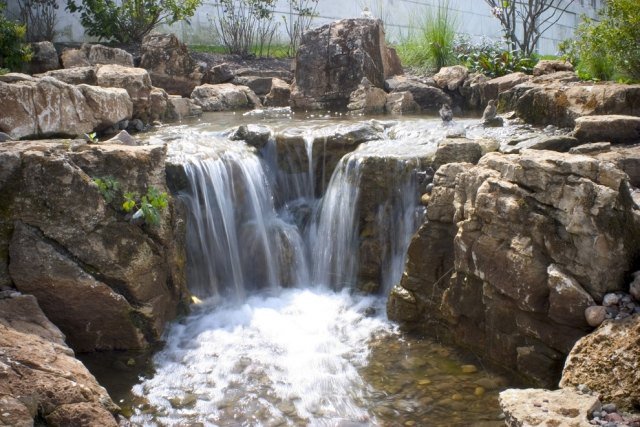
<point x="159" y="106"/>
<point x="560" y="77"/>
<point x="560" y="143"/>
<point x="634" y="287"/>
<point x="451" y="78"/>
<point x="217" y="74"/>
<point x="548" y="66"/>
<point x="367" y="100"/>
<point x="495" y="122"/>
<point x="604" y="360"/>
<point x="595" y="315"/>
<point x="32" y="108"/>
<point x="591" y="148"/>
<point x="457" y="150"/>
<point x="492" y="288"/>
<point x="610" y="300"/>
<point x="95" y="54"/>
<point x="491" y="89"/>
<point x="180" y="108"/>
<point x="169" y="64"/>
<point x="260" y="85"/>
<point x="355" y="48"/>
<point x="612" y="128"/>
<point x="41" y="378"/>
<point x="75" y="76"/>
<point x="109" y="283"/>
<point x="135" y="81"/>
<point x="401" y="103"/>
<point x="392" y="64"/>
<point x="16" y="77"/>
<point x="561" y="408"/>
<point x="429" y="98"/>
<point x="627" y="158"/>
<point x="45" y="58"/>
<point x="279" y="94"/>
<point x="255" y="135"/>
<point x="224" y="97"/>
<point x="4" y="137"/>
<point x="123" y="138"/>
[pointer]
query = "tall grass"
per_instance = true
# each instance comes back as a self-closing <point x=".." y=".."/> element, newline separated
<point x="430" y="46"/>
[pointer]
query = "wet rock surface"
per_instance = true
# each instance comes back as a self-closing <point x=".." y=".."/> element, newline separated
<point x="224" y="97"/>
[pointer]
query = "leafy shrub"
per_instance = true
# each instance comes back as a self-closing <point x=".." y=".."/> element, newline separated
<point x="609" y="48"/>
<point x="13" y="51"/>
<point x="147" y="207"/>
<point x="128" y="21"/>
<point x="491" y="58"/>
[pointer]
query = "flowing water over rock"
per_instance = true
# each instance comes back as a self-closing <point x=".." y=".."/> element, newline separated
<point x="282" y="338"/>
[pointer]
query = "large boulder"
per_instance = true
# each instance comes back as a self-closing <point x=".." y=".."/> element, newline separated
<point x="110" y="283"/>
<point x="367" y="100"/>
<point x="550" y="66"/>
<point x="45" y="107"/>
<point x="333" y="59"/>
<point x="45" y="58"/>
<point x="607" y="361"/>
<point x="451" y="78"/>
<point x="169" y="64"/>
<point x="428" y="97"/>
<point x="539" y="237"/>
<point x="95" y="54"/>
<point x="616" y="129"/>
<point x="279" y="94"/>
<point x="135" y="81"/>
<point x="224" y="97"/>
<point x="561" y="104"/>
<point x="74" y="76"/>
<point x="41" y="380"/>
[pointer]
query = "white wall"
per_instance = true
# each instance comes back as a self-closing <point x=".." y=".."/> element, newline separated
<point x="473" y="17"/>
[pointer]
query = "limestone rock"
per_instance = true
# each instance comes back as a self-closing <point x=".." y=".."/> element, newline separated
<point x="16" y="77"/>
<point x="494" y="87"/>
<point x="591" y="148"/>
<point x="627" y="158"/>
<point x="224" y="97"/>
<point x="75" y="76"/>
<point x="612" y="128"/>
<point x="457" y="150"/>
<point x="169" y="64"/>
<point x="567" y="299"/>
<point x="607" y="361"/>
<point x="135" y="81"/>
<point x="180" y="108"/>
<point x="71" y="58"/>
<point x="559" y="77"/>
<point x="451" y="78"/>
<point x="95" y="54"/>
<point x="254" y="135"/>
<point x="353" y="48"/>
<point x="561" y="408"/>
<point x="429" y="98"/>
<point x="560" y="143"/>
<point x="392" y="64"/>
<point x="45" y="58"/>
<point x="44" y="107"/>
<point x="41" y="378"/>
<point x="595" y="315"/>
<point x="367" y="100"/>
<point x="217" y="74"/>
<point x="401" y="103"/>
<point x="258" y="84"/>
<point x="548" y="66"/>
<point x="279" y="94"/>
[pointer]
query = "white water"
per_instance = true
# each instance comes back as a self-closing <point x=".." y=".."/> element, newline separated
<point x="255" y="353"/>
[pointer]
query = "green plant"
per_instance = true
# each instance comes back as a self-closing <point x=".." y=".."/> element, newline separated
<point x="108" y="187"/>
<point x="298" y="21"/>
<point x="609" y="48"/>
<point x="128" y="21"/>
<point x="491" y="58"/>
<point x="92" y="137"/>
<point x="13" y="51"/>
<point x="148" y="206"/>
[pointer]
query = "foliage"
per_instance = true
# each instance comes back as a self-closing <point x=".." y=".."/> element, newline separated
<point x="147" y="207"/>
<point x="298" y="21"/>
<point x="491" y="58"/>
<point x="524" y="22"/>
<point x="432" y="46"/>
<point x="39" y="16"/>
<point x="242" y="24"/>
<point x="278" y="50"/>
<point x="128" y="21"/>
<point x="13" y="51"/>
<point x="108" y="187"/>
<point x="609" y="48"/>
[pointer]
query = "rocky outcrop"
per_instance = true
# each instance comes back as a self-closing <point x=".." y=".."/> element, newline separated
<point x="75" y="76"/>
<point x="169" y="64"/>
<point x="561" y="408"/>
<point x="135" y="81"/>
<point x="41" y="380"/>
<point x="428" y="97"/>
<point x="401" y="103"/>
<point x="535" y="234"/>
<point x="550" y="66"/>
<point x="607" y="361"/>
<point x="333" y="59"/>
<point x="561" y="104"/>
<point x="180" y="108"/>
<point x="108" y="283"/>
<point x="224" y="97"/>
<point x="45" y="58"/>
<point x="45" y="107"/>
<point x="615" y="129"/>
<point x="279" y="94"/>
<point x="95" y="54"/>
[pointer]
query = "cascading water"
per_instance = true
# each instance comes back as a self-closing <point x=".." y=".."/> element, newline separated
<point x="281" y="338"/>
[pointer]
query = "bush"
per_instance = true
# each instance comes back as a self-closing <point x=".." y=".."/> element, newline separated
<point x="13" y="51"/>
<point x="609" y="48"/>
<point x="491" y="58"/>
<point x="129" y="21"/>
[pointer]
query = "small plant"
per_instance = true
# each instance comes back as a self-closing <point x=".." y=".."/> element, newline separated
<point x="13" y="51"/>
<point x="92" y="137"/>
<point x="108" y="187"/>
<point x="148" y="206"/>
<point x="492" y="59"/>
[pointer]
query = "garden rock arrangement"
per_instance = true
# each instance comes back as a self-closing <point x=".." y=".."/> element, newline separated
<point x="40" y="377"/>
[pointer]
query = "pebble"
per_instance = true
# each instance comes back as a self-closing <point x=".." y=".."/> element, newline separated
<point x="609" y="408"/>
<point x="595" y="315"/>
<point x="479" y="391"/>
<point x="610" y="300"/>
<point x="634" y="287"/>
<point x="457" y="397"/>
<point x="469" y="369"/>
<point x="424" y="382"/>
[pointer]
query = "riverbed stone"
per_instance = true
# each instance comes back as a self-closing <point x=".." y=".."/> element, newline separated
<point x="605" y="362"/>
<point x="224" y="97"/>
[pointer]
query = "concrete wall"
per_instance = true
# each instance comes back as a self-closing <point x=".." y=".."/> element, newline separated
<point x="473" y="17"/>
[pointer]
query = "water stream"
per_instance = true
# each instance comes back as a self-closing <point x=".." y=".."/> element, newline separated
<point x="283" y="337"/>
